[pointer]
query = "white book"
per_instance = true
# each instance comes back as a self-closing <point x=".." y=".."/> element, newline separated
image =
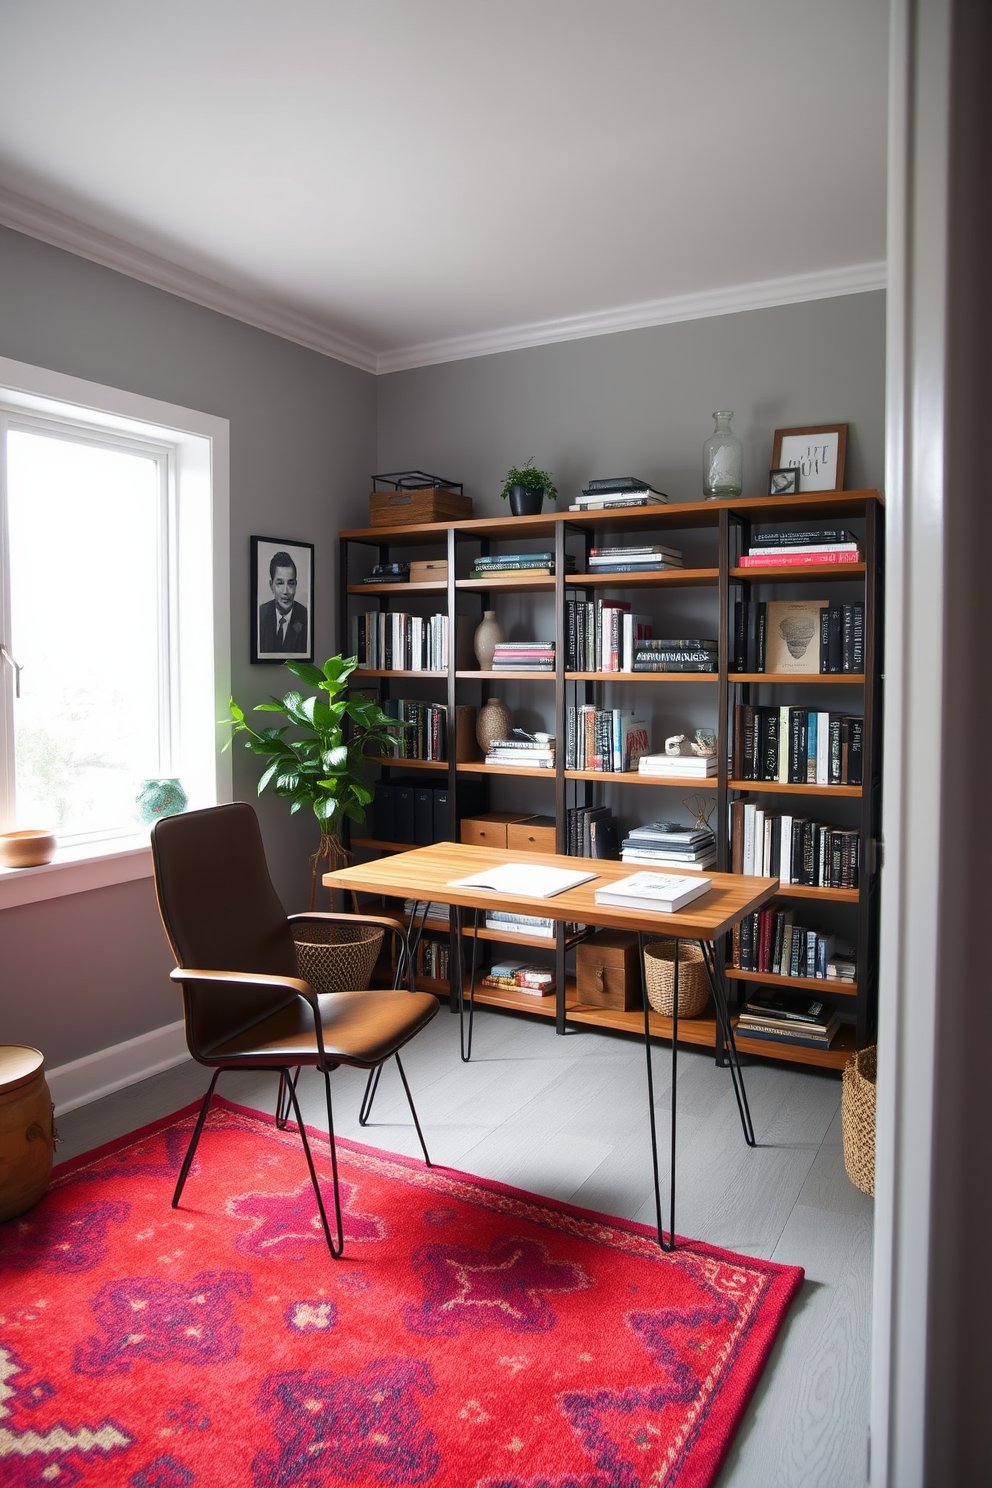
<point x="823" y="748"/>
<point x="666" y="860"/>
<point x="759" y="841"/>
<point x="523" y="880"/>
<point x="783" y="745"/>
<point x="850" y="547"/>
<point x="663" y="892"/>
<point x="766" y="866"/>
<point x="510" y="927"/>
<point x="785" y="851"/>
<point x="748" y="864"/>
<point x="677" y="764"/>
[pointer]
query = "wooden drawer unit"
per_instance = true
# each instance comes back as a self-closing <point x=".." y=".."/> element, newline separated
<point x="606" y="972"/>
<point x="489" y="829"/>
<point x="536" y="834"/>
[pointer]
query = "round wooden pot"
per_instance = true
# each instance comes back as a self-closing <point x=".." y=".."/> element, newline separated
<point x="27" y="1129"/>
<point x="26" y="849"/>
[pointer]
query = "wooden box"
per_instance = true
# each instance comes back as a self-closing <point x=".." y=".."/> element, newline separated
<point x="535" y="835"/>
<point x="409" y="508"/>
<point x="606" y="971"/>
<point x="489" y="829"/>
<point x="429" y="571"/>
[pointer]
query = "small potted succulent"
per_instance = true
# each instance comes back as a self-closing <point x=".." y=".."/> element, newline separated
<point x="526" y="489"/>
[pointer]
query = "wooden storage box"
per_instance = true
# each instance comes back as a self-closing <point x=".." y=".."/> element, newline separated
<point x="535" y="835"/>
<point x="489" y="829"/>
<point x="428" y="571"/>
<point x="407" y="508"/>
<point x="606" y="971"/>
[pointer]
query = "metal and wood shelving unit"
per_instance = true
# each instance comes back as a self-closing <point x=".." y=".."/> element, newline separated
<point x="726" y="526"/>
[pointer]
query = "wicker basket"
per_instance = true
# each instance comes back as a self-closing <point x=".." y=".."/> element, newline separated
<point x="659" y="976"/>
<point x="857" y="1114"/>
<point x="337" y="958"/>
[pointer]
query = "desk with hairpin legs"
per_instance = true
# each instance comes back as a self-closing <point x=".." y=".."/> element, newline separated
<point x="426" y="874"/>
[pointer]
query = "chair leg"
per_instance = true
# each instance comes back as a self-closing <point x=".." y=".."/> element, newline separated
<point x="413" y="1112"/>
<point x="283" y="1105"/>
<point x="336" y="1251"/>
<point x="191" y="1149"/>
<point x="371" y="1086"/>
<point x="466" y="1043"/>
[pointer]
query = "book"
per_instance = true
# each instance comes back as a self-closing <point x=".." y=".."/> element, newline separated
<point x="786" y="1006"/>
<point x="677" y="764"/>
<point x="665" y="893"/>
<point x="630" y="483"/>
<point x="524" y="880"/>
<point x="850" y="548"/>
<point x="793" y="635"/>
<point x="606" y="501"/>
<point x="615" y="555"/>
<point x="786" y="559"/>
<point x="656" y="567"/>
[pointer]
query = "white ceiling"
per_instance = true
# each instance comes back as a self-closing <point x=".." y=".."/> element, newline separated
<point x="404" y="181"/>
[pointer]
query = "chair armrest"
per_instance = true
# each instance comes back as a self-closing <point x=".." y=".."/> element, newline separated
<point x="320" y="915"/>
<point x="244" y="979"/>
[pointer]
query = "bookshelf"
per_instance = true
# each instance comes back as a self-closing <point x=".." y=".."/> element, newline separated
<point x="717" y="532"/>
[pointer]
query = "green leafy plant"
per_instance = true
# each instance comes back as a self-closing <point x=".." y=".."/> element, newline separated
<point x="319" y="767"/>
<point x="535" y="480"/>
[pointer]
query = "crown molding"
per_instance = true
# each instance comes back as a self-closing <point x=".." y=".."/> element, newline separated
<point x="825" y="284"/>
<point x="63" y="231"/>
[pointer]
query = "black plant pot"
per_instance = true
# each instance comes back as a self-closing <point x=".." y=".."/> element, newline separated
<point x="525" y="501"/>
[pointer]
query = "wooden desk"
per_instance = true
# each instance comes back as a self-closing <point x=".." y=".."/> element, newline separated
<point x="426" y="873"/>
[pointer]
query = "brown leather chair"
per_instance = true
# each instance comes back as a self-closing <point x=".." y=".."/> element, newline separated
<point x="245" y="1006"/>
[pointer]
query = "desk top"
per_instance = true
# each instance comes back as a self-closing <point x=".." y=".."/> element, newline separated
<point x="426" y="873"/>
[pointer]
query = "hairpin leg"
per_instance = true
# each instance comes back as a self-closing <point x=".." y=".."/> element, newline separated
<point x="651" y="1111"/>
<point x="335" y="1247"/>
<point x="371" y="1086"/>
<point x="191" y="1149"/>
<point x="719" y="990"/>
<point x="413" y="1112"/>
<point x="466" y="1043"/>
<point x="282" y="1099"/>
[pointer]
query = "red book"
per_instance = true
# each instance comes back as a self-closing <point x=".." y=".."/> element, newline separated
<point x="766" y="933"/>
<point x="795" y="560"/>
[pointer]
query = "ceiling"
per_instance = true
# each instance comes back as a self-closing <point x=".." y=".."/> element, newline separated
<point x="407" y="181"/>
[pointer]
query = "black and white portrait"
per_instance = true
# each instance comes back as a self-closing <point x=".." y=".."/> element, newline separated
<point x="281" y="600"/>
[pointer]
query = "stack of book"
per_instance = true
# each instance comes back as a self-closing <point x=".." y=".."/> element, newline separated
<point x="524" y="656"/>
<point x="517" y="924"/>
<point x="521" y="976"/>
<point x="618" y="490"/>
<point x="651" y="559"/>
<point x="590" y="832"/>
<point x="526" y="753"/>
<point x="788" y="1018"/>
<point x="692" y="655"/>
<point x="394" y="642"/>
<point x="608" y="739"/>
<point x="534" y="565"/>
<point x="435" y="910"/>
<point x="678" y="766"/>
<point x="796" y="746"/>
<point x="795" y="547"/>
<point x="603" y="636"/>
<point x="793" y="849"/>
<point x="670" y="845"/>
<point x="426" y="737"/>
<point x="663" y="893"/>
<point x="803" y="637"/>
<point x="770" y="942"/>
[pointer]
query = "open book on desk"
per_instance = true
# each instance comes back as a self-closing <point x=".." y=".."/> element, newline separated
<point x="524" y="880"/>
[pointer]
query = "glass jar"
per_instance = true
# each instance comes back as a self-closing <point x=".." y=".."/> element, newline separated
<point x="723" y="460"/>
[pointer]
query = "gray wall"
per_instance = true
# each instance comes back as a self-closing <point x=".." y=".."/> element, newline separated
<point x="638" y="402"/>
<point x="302" y="449"/>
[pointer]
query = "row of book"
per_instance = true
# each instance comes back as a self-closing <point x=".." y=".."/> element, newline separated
<point x="670" y="845"/>
<point x="386" y="640"/>
<point x="776" y="1015"/>
<point x="691" y="655"/>
<point x="797" y="746"/>
<point x="771" y="943"/>
<point x="621" y="490"/>
<point x="590" y="832"/>
<point x="419" y="813"/>
<point x="426" y="734"/>
<point x="508" y="924"/>
<point x="524" y="656"/>
<point x="608" y="739"/>
<point x="434" y="960"/>
<point x="805" y="637"/>
<point x="650" y="558"/>
<point x="800" y="547"/>
<point x="533" y="565"/>
<point x="602" y="636"/>
<point x="531" y="754"/>
<point x="793" y="849"/>
<point x="520" y="976"/>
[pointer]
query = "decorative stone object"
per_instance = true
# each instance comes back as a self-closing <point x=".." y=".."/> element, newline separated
<point x="494" y="722"/>
<point x="488" y="634"/>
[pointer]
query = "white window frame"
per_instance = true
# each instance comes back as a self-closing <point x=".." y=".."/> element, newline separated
<point x="195" y="450"/>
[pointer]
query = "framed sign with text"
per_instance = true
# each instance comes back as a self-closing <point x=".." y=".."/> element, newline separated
<point x="817" y="452"/>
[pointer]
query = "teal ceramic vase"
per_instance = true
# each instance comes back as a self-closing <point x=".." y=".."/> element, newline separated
<point x="156" y="798"/>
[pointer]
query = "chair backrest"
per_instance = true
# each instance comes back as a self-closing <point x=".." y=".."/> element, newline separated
<point x="221" y="912"/>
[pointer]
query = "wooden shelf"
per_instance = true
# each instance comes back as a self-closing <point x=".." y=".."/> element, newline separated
<point x="512" y="581"/>
<point x="507" y="676"/>
<point x="642" y="676"/>
<point x="389" y="763"/>
<point x="799" y="679"/>
<point x="658" y="578"/>
<point x="634" y="777"/>
<point x="517" y="1002"/>
<point x="479" y="767"/>
<point x="374" y="844"/>
<point x="810" y="984"/>
<point x="700" y="1031"/>
<point x="840" y="1051"/>
<point x="808" y="891"/>
<point x="759" y="787"/>
<point x="791" y="573"/>
<point x="390" y="672"/>
<point x="432" y="587"/>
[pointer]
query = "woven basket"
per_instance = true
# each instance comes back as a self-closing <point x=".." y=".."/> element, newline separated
<point x="659" y="976"/>
<point x="337" y="958"/>
<point x="857" y="1114"/>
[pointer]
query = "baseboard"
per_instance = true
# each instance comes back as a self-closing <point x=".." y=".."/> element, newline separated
<point x="87" y="1079"/>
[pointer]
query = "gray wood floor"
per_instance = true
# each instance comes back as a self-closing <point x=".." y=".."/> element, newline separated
<point x="567" y="1117"/>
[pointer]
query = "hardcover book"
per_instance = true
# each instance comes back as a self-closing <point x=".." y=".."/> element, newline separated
<point x="792" y="635"/>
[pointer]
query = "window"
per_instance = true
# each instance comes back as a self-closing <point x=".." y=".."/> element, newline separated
<point x="113" y="606"/>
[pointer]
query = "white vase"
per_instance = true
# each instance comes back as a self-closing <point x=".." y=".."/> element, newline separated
<point x="494" y="722"/>
<point x="487" y="633"/>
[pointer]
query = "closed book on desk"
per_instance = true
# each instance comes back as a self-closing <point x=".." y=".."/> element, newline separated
<point x="663" y="893"/>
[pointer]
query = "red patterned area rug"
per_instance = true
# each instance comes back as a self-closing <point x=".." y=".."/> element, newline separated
<point x="473" y="1336"/>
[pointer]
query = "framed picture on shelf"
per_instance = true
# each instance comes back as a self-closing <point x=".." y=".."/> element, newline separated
<point x="817" y="453"/>
<point x="281" y="600"/>
<point x="784" y="482"/>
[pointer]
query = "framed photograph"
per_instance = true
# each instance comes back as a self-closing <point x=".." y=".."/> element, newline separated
<point x="281" y="600"/>
<point x="783" y="482"/>
<point x="817" y="453"/>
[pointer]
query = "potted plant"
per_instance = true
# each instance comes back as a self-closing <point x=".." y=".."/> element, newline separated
<point x="526" y="489"/>
<point x="319" y="767"/>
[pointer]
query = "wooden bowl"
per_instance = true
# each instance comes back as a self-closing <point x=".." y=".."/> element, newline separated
<point x="27" y="849"/>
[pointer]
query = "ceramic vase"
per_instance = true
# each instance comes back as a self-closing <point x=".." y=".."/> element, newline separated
<point x="487" y="633"/>
<point x="494" y="722"/>
<point x="526" y="501"/>
<point x="164" y="797"/>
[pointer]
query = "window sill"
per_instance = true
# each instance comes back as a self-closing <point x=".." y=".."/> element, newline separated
<point x="74" y="870"/>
